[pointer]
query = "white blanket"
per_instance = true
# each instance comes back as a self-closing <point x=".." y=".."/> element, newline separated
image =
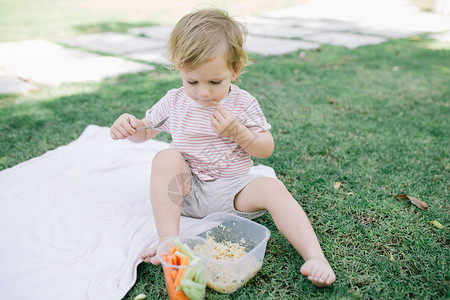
<point x="74" y="220"/>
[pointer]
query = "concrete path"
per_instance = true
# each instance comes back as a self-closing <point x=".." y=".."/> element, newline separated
<point x="12" y="85"/>
<point x="347" y="23"/>
<point x="47" y="63"/>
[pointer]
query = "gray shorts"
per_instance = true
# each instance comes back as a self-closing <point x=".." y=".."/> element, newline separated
<point x="207" y="197"/>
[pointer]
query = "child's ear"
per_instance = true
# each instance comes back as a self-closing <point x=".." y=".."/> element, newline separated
<point x="235" y="76"/>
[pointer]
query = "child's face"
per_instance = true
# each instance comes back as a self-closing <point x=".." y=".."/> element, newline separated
<point x="209" y="82"/>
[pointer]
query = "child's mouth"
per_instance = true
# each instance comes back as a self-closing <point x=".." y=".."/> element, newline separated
<point x="208" y="102"/>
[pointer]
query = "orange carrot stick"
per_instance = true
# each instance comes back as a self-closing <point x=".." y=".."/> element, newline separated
<point x="173" y="273"/>
<point x="173" y="258"/>
<point x="179" y="295"/>
<point x="167" y="259"/>
<point x="168" y="270"/>
<point x="184" y="262"/>
<point x="169" y="283"/>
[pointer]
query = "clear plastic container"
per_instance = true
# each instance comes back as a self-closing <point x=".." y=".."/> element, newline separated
<point x="227" y="276"/>
<point x="173" y="271"/>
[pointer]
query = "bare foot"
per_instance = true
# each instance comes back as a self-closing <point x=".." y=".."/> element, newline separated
<point x="149" y="256"/>
<point x="318" y="271"/>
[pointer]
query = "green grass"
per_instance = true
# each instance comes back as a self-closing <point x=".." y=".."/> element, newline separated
<point x="337" y="115"/>
<point x="384" y="132"/>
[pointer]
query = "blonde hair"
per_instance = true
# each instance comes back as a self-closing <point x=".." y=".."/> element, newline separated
<point x="204" y="34"/>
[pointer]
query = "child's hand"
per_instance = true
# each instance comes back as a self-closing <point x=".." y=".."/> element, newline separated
<point x="125" y="126"/>
<point x="225" y="123"/>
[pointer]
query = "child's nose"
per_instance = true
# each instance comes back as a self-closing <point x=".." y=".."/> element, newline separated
<point x="205" y="91"/>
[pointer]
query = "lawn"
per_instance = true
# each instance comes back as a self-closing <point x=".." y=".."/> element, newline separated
<point x="375" y="119"/>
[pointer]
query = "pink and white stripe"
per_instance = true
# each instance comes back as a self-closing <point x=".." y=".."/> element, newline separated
<point x="209" y="155"/>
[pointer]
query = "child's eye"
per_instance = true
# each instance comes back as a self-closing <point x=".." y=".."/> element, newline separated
<point x="192" y="82"/>
<point x="216" y="82"/>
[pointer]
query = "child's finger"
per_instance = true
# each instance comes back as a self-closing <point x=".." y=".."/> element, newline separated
<point x="116" y="134"/>
<point x="219" y="116"/>
<point x="221" y="110"/>
<point x="128" y="129"/>
<point x="113" y="134"/>
<point x="214" y="123"/>
<point x="134" y="122"/>
<point x="122" y="132"/>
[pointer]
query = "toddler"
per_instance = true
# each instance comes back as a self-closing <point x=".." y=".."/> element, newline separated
<point x="216" y="127"/>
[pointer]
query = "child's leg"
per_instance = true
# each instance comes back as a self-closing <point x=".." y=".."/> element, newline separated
<point x="291" y="220"/>
<point x="170" y="182"/>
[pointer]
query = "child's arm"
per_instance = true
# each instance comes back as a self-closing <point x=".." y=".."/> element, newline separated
<point x="258" y="144"/>
<point x="124" y="127"/>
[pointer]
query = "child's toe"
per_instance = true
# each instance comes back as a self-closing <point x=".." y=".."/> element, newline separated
<point x="305" y="270"/>
<point x="148" y="254"/>
<point x="319" y="272"/>
<point x="154" y="260"/>
<point x="326" y="278"/>
<point x="319" y="276"/>
<point x="331" y="279"/>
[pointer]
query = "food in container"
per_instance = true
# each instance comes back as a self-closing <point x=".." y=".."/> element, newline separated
<point x="237" y="250"/>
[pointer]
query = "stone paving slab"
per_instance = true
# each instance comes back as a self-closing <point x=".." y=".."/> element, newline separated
<point x="113" y="43"/>
<point x="48" y="63"/>
<point x="280" y="31"/>
<point x="12" y="85"/>
<point x="349" y="40"/>
<point x="301" y="28"/>
<point x="156" y="32"/>
<point x="152" y="56"/>
<point x="375" y="14"/>
<point x="443" y="36"/>
<point x="274" y="46"/>
<point x="298" y="21"/>
<point x="321" y="31"/>
<point x="389" y="33"/>
<point x="332" y="25"/>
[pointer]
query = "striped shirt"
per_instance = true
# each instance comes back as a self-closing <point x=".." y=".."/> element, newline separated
<point x="209" y="155"/>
